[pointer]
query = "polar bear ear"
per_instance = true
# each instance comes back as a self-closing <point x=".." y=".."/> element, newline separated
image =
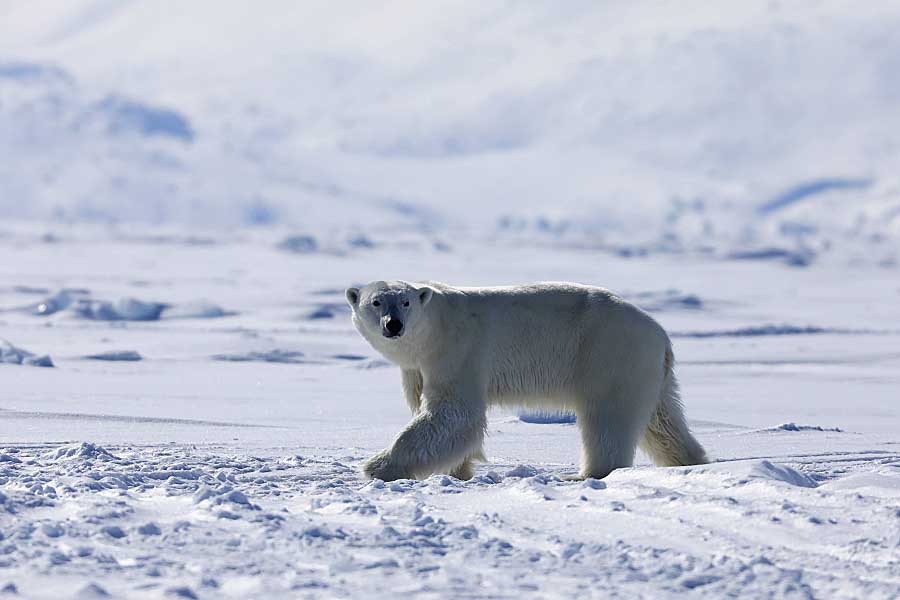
<point x="425" y="294"/>
<point x="352" y="295"/>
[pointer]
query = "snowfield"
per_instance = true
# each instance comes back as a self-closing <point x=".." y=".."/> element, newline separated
<point x="225" y="462"/>
<point x="187" y="188"/>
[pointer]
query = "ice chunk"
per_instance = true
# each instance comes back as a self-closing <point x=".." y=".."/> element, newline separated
<point x="82" y="450"/>
<point x="12" y="355"/>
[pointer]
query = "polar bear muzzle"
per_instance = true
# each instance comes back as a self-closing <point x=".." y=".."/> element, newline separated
<point x="392" y="327"/>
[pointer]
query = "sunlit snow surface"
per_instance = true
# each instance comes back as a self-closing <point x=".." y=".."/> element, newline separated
<point x="186" y="473"/>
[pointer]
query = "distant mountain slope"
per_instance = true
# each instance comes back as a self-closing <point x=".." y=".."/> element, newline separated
<point x="629" y="126"/>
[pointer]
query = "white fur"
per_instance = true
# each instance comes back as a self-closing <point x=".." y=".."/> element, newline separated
<point x="557" y="346"/>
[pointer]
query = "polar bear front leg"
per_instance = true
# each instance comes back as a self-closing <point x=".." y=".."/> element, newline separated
<point x="448" y="429"/>
<point x="412" y="388"/>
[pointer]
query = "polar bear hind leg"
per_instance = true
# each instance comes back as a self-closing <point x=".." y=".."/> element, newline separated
<point x="611" y="429"/>
<point x="668" y="440"/>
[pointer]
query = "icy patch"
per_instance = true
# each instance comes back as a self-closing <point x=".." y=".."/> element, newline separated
<point x="767" y="330"/>
<point x="349" y="357"/>
<point x="793" y="258"/>
<point x="794" y="427"/>
<point x="774" y="472"/>
<point x="116" y="356"/>
<point x="224" y="494"/>
<point x="125" y="309"/>
<point x="12" y="355"/>
<point x="271" y="356"/>
<point x="594" y="484"/>
<point x="544" y="417"/>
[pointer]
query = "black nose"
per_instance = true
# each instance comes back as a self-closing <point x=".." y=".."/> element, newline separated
<point x="394" y="326"/>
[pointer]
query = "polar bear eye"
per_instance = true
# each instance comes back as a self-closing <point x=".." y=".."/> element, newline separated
<point x="406" y="303"/>
<point x="376" y="303"/>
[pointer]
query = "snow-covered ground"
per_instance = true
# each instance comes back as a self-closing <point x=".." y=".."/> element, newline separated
<point x="186" y="189"/>
<point x="225" y="461"/>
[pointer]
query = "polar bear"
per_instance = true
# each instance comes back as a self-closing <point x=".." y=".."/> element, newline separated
<point x="549" y="345"/>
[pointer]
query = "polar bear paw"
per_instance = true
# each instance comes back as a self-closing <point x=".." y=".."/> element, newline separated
<point x="383" y="467"/>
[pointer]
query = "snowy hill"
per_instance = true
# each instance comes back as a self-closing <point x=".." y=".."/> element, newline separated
<point x="764" y="130"/>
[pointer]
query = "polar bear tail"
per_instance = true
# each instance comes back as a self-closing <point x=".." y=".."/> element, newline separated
<point x="668" y="440"/>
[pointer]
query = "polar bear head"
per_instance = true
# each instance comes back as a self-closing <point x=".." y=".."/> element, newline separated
<point x="389" y="313"/>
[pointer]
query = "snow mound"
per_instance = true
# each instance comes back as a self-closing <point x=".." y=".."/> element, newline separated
<point x="522" y="471"/>
<point x="12" y="355"/>
<point x="84" y="450"/>
<point x="116" y="356"/>
<point x="149" y="528"/>
<point x="545" y="417"/>
<point x="92" y="591"/>
<point x="7" y="458"/>
<point x="774" y="472"/>
<point x="223" y="494"/>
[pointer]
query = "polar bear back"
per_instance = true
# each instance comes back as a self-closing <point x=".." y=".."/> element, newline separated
<point x="549" y="340"/>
